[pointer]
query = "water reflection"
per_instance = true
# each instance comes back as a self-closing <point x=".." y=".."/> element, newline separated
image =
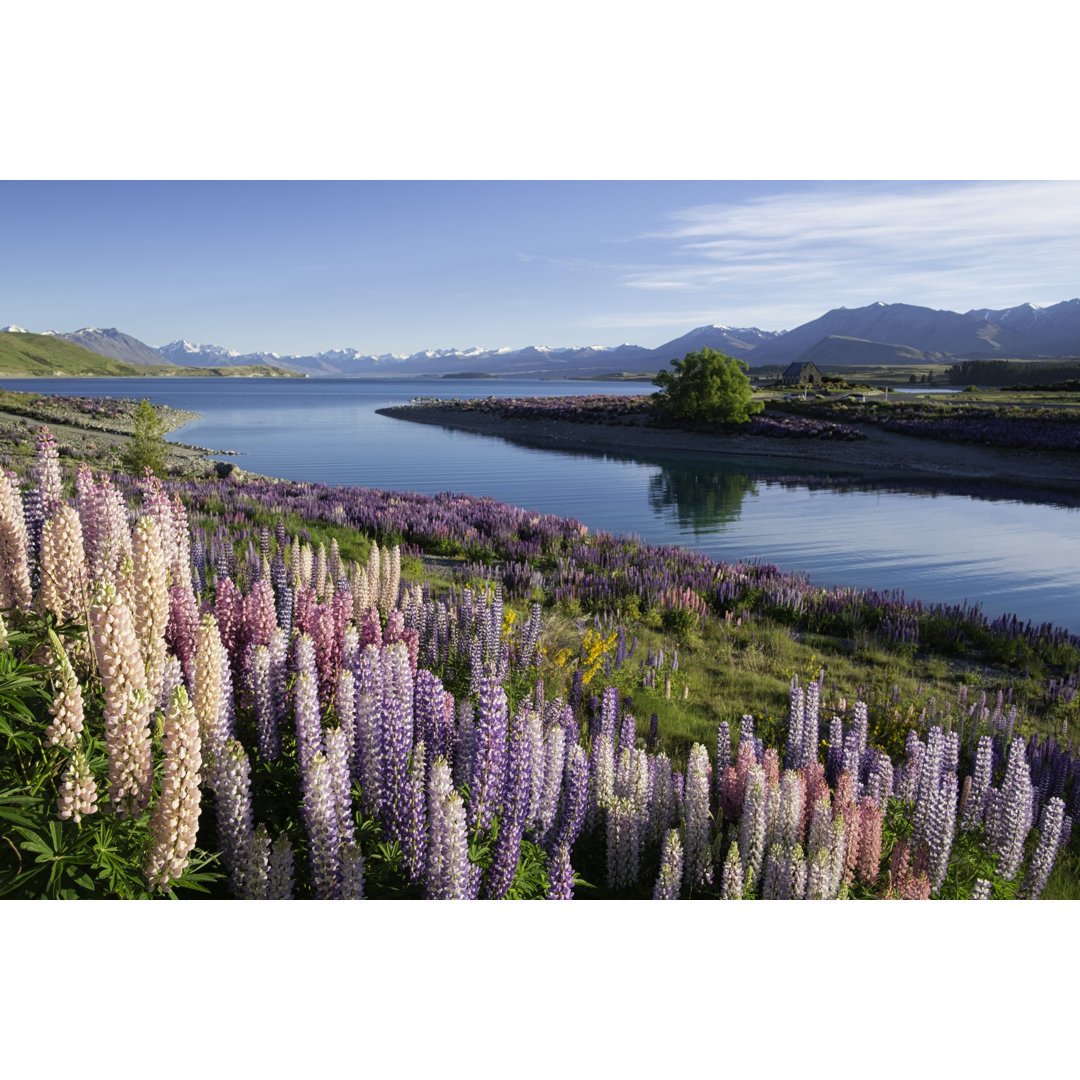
<point x="702" y="498"/>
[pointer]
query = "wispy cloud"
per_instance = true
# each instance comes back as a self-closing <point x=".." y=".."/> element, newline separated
<point x="955" y="245"/>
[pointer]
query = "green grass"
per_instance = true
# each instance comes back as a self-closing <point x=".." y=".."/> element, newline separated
<point x="29" y="355"/>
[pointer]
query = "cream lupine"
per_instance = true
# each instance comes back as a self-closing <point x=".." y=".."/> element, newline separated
<point x="78" y="791"/>
<point x="14" y="569"/>
<point x="67" y="705"/>
<point x="151" y="600"/>
<point x="207" y="695"/>
<point x="65" y="574"/>
<point x="126" y="703"/>
<point x="174" y="819"/>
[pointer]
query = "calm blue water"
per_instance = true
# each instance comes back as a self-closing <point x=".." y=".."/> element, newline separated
<point x="995" y="547"/>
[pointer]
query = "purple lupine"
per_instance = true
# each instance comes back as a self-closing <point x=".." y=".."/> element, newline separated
<point x="413" y="827"/>
<point x="811" y="724"/>
<point x="975" y="804"/>
<point x="466" y="743"/>
<point x="1016" y="811"/>
<point x="235" y="820"/>
<point x="796" y="709"/>
<point x="662" y="814"/>
<point x="834" y="759"/>
<point x="940" y="829"/>
<point x="560" y="874"/>
<point x="575" y="799"/>
<point x="930" y="776"/>
<point x="182" y="631"/>
<point x="309" y="734"/>
<point x="669" y="880"/>
<point x="696" y="819"/>
<point x="265" y="713"/>
<point x="488" y="777"/>
<point x="1042" y="861"/>
<point x="981" y="889"/>
<point x="396" y="718"/>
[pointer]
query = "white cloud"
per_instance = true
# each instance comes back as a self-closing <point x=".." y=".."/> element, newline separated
<point x="952" y="245"/>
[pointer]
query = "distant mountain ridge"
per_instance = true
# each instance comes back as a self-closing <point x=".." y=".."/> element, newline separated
<point x="875" y="334"/>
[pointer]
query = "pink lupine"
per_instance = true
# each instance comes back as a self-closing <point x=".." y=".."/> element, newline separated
<point x="67" y="705"/>
<point x="126" y="702"/>
<point x="174" y="819"/>
<point x="113" y="546"/>
<point x="869" y="857"/>
<point x="14" y="568"/>
<point x="78" y="791"/>
<point x="260" y="617"/>
<point x="370" y="628"/>
<point x="229" y="613"/>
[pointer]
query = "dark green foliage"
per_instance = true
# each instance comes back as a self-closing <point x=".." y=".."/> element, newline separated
<point x="147" y="448"/>
<point x="706" y="387"/>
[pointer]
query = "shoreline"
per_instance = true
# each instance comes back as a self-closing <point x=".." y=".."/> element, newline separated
<point x="881" y="453"/>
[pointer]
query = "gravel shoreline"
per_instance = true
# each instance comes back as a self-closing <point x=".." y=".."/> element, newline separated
<point x="880" y="453"/>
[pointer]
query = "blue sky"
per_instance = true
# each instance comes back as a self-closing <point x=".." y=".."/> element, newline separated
<point x="300" y="267"/>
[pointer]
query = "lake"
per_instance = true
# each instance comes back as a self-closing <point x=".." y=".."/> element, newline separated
<point x="1006" y="549"/>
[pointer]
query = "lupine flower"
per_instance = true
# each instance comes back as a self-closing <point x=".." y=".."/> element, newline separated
<point x="488" y="777"/>
<point x="182" y="632"/>
<point x="662" y="800"/>
<point x="1016" y="811"/>
<point x="78" y="791"/>
<point x="941" y="828"/>
<point x="265" y="713"/>
<point x="622" y="843"/>
<point x="279" y="878"/>
<point x="352" y="873"/>
<point x="669" y="880"/>
<point x="575" y="798"/>
<point x="150" y="592"/>
<point x="731" y="887"/>
<point x="790" y="811"/>
<point x="981" y="889"/>
<point x="256" y="867"/>
<point x="337" y="757"/>
<point x="699" y="868"/>
<point x="64" y="570"/>
<point x="126" y="703"/>
<point x="1042" y="862"/>
<point x="975" y="804"/>
<point x="818" y="883"/>
<point x="67" y="705"/>
<point x="869" y="858"/>
<point x="560" y="875"/>
<point x="752" y="827"/>
<point x="208" y="696"/>
<point x="15" y="588"/>
<point x="320" y="820"/>
<point x="174" y="819"/>
<point x="235" y="820"/>
<point x="413" y="826"/>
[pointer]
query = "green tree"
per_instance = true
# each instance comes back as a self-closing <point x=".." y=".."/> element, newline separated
<point x="706" y="386"/>
<point x="147" y="447"/>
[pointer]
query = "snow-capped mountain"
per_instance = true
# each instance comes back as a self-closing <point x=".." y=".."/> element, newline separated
<point x="876" y="333"/>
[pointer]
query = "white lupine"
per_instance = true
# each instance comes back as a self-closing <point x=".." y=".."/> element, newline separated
<point x="78" y="791"/>
<point x="552" y="776"/>
<point x="256" y="865"/>
<point x="662" y="803"/>
<point x="981" y="889"/>
<point x="975" y="806"/>
<point x="941" y="828"/>
<point x="623" y="856"/>
<point x="67" y="704"/>
<point x="752" y="827"/>
<point x="279" y="879"/>
<point x="789" y="815"/>
<point x="733" y="880"/>
<point x="352" y="873"/>
<point x="1016" y="810"/>
<point x="818" y="882"/>
<point x="337" y="757"/>
<point x="174" y="819"/>
<point x="696" y="839"/>
<point x="669" y="880"/>
<point x="208" y="695"/>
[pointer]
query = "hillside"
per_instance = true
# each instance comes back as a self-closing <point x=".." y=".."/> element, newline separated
<point x="27" y="355"/>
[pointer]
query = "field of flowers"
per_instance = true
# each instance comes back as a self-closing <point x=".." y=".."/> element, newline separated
<point x="254" y="690"/>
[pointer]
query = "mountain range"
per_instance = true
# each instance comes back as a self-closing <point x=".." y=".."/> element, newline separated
<point x="876" y="334"/>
